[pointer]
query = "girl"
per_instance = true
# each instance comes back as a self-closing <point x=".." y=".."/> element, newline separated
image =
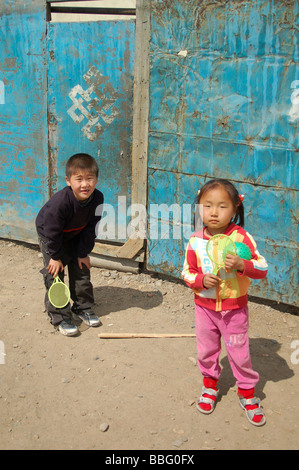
<point x="221" y="300"/>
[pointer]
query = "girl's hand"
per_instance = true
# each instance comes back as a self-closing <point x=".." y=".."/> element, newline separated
<point x="85" y="261"/>
<point x="55" y="266"/>
<point x="234" y="262"/>
<point x="210" y="280"/>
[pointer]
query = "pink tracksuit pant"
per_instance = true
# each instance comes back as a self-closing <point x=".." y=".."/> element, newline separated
<point x="232" y="326"/>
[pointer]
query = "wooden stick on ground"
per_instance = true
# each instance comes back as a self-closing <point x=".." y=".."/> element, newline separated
<point x="145" y="335"/>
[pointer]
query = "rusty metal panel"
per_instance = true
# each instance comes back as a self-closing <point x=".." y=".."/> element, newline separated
<point x="23" y="129"/>
<point x="90" y="78"/>
<point x="224" y="102"/>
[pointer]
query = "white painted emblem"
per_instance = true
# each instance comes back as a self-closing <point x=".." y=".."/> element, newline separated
<point x="97" y="104"/>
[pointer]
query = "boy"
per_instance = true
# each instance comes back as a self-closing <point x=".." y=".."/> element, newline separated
<point x="66" y="228"/>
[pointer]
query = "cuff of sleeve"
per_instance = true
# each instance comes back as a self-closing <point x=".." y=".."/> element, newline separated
<point x="249" y="270"/>
<point x="198" y="284"/>
<point x="56" y="257"/>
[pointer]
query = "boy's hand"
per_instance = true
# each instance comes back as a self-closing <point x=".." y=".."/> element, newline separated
<point x="234" y="262"/>
<point x="55" y="266"/>
<point x="210" y="280"/>
<point x="85" y="261"/>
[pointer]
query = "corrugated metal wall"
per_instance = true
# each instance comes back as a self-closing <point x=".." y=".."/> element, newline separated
<point x="223" y="79"/>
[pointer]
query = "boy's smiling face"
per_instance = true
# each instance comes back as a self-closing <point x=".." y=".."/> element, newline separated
<point x="83" y="183"/>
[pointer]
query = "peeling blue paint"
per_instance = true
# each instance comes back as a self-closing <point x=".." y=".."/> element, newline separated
<point x="23" y="125"/>
<point x="90" y="76"/>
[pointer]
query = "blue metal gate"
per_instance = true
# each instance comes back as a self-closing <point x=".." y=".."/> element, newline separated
<point x="64" y="88"/>
<point x="224" y="103"/>
<point x="90" y="96"/>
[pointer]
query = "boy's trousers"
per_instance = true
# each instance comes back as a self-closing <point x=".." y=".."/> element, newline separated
<point x="79" y="283"/>
<point x="232" y="326"/>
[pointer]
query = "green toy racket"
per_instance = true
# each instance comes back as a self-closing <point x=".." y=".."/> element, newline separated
<point x="218" y="247"/>
<point x="59" y="293"/>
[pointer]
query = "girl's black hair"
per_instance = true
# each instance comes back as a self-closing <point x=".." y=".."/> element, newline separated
<point x="233" y="194"/>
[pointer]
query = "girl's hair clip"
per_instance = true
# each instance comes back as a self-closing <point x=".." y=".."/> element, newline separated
<point x="198" y="192"/>
<point x="241" y="198"/>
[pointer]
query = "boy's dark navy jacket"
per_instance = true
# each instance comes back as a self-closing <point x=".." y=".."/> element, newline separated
<point x="64" y="218"/>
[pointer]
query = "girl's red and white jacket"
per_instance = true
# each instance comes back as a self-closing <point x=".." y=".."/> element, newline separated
<point x="231" y="292"/>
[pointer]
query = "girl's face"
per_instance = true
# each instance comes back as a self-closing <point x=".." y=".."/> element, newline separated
<point x="218" y="210"/>
<point x="83" y="184"/>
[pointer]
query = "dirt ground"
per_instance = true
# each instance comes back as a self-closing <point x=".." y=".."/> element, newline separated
<point x="85" y="392"/>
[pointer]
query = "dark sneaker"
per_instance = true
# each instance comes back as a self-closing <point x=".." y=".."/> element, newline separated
<point x="67" y="328"/>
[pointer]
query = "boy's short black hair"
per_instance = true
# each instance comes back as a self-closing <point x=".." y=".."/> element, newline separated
<point x="81" y="161"/>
